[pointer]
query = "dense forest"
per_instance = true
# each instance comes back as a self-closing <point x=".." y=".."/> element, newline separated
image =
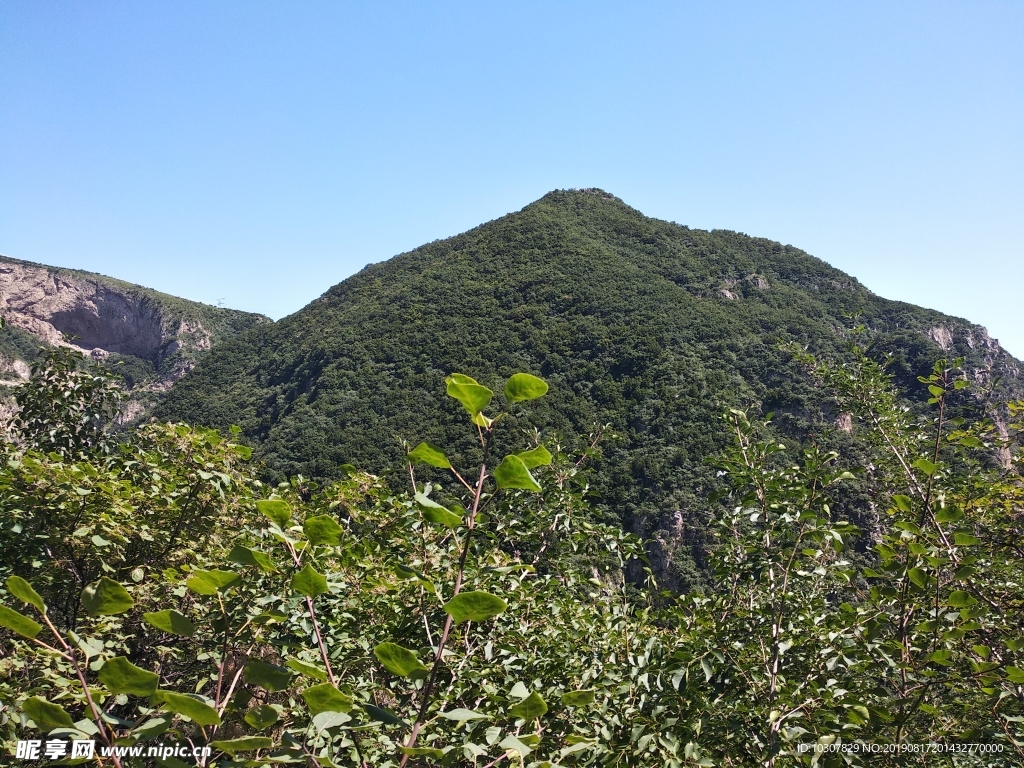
<point x="160" y="596"/>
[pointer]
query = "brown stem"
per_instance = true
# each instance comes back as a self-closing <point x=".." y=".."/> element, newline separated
<point x="97" y="718"/>
<point x="429" y="687"/>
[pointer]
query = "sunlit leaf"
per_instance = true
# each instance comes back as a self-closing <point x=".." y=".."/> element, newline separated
<point x="524" y="386"/>
<point x="119" y="675"/>
<point x="170" y="621"/>
<point x="106" y="598"/>
<point x="474" y="606"/>
<point x="428" y="453"/>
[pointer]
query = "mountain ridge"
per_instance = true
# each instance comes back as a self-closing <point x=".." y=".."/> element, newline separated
<point x="153" y="336"/>
<point x="647" y="326"/>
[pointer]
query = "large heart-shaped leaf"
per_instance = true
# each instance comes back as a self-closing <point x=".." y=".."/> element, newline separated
<point x="212" y="582"/>
<point x="309" y="582"/>
<point x="190" y="706"/>
<point x="278" y="510"/>
<point x="534" y="458"/>
<point x="22" y="590"/>
<point x="428" y="453"/>
<point x="170" y="621"/>
<point x="400" y="661"/>
<point x="261" y="717"/>
<point x="529" y="708"/>
<point x="106" y="598"/>
<point x="306" y="669"/>
<point x="268" y="676"/>
<point x="17" y="622"/>
<point x="47" y="716"/>
<point x="119" y="675"/>
<point x="474" y="397"/>
<point x="435" y="513"/>
<point x="245" y="556"/>
<point x="474" y="606"/>
<point x="513" y="473"/>
<point x="524" y="386"/>
<point x="323" y="529"/>
<point x="326" y="698"/>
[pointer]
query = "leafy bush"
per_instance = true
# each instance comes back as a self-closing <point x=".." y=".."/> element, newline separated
<point x="156" y="592"/>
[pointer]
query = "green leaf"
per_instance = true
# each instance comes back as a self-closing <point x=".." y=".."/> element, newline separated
<point x="326" y="698"/>
<point x="47" y="716"/>
<point x="428" y="453"/>
<point x="519" y="691"/>
<point x="170" y="621"/>
<point x="306" y="669"/>
<point x="461" y="715"/>
<point x="1015" y="674"/>
<point x="119" y="675"/>
<point x="421" y="752"/>
<point x="106" y="598"/>
<point x="308" y="582"/>
<point x="919" y="577"/>
<point x="943" y="656"/>
<point x="382" y="715"/>
<point x="270" y="677"/>
<point x="539" y="456"/>
<point x="246" y="556"/>
<point x="529" y="708"/>
<point x="474" y="398"/>
<point x="511" y="744"/>
<point x="513" y="473"/>
<point x="212" y="582"/>
<point x="16" y="622"/>
<point x="524" y="386"/>
<point x="400" y="661"/>
<point x="578" y="698"/>
<point x="261" y="717"/>
<point x="243" y="744"/>
<point x="960" y="599"/>
<point x="903" y="503"/>
<point x="190" y="706"/>
<point x="327" y="720"/>
<point x="926" y="466"/>
<point x="435" y="513"/>
<point x="323" y="529"/>
<point x="966" y="540"/>
<point x="278" y="510"/>
<point x="948" y="515"/>
<point x="474" y="606"/>
<point x="22" y="590"/>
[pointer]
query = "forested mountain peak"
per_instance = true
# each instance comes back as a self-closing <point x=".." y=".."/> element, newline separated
<point x="646" y="326"/>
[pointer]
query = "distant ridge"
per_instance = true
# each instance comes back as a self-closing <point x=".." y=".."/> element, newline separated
<point x="155" y="338"/>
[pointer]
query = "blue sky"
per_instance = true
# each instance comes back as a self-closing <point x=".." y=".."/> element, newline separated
<point x="255" y="153"/>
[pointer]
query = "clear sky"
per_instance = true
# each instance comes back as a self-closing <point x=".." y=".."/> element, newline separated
<point x="255" y="153"/>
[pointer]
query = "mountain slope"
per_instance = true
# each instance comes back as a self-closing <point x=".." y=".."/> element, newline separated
<point x="154" y="337"/>
<point x="645" y="325"/>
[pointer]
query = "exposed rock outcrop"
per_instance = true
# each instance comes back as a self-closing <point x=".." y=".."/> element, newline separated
<point x="104" y="317"/>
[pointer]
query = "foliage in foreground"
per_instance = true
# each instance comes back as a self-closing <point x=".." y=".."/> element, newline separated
<point x="157" y="593"/>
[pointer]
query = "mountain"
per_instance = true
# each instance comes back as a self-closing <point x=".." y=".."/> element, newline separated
<point x="151" y="338"/>
<point x="644" y="325"/>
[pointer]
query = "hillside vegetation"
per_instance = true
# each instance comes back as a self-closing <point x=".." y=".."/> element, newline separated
<point x="646" y="331"/>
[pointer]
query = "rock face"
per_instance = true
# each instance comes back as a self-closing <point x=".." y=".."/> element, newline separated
<point x="104" y="317"/>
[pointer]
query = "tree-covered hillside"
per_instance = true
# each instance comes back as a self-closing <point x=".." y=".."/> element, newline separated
<point x="643" y="325"/>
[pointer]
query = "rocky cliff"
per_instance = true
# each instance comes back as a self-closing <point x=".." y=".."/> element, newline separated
<point x="151" y="337"/>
